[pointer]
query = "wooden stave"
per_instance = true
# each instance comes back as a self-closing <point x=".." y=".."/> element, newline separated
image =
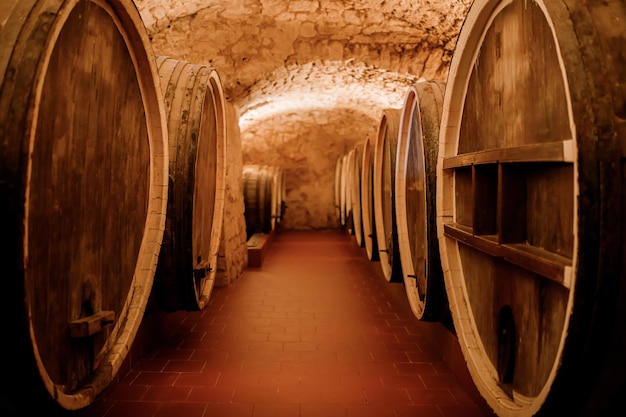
<point x="575" y="385"/>
<point x="24" y="86"/>
<point x="421" y="111"/>
<point x="367" y="202"/>
<point x="194" y="102"/>
<point x="386" y="233"/>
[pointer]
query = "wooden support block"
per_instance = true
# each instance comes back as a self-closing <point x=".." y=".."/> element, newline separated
<point x="91" y="325"/>
<point x="257" y="247"/>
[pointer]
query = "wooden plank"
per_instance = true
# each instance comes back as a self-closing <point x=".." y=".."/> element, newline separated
<point x="561" y="151"/>
<point x="88" y="326"/>
<point x="549" y="265"/>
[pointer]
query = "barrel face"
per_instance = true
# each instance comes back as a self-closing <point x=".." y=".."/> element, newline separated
<point x="518" y="190"/>
<point x="355" y="194"/>
<point x="195" y="109"/>
<point x="367" y="202"/>
<point x="94" y="193"/>
<point x="418" y="147"/>
<point x="384" y="184"/>
<point x="258" y="187"/>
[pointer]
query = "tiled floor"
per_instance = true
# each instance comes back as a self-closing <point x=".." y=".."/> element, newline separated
<point x="315" y="332"/>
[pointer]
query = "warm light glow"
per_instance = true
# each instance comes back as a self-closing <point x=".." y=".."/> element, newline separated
<point x="326" y="85"/>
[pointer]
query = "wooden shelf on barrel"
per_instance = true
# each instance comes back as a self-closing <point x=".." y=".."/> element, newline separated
<point x="540" y="261"/>
<point x="559" y="151"/>
<point x="497" y="191"/>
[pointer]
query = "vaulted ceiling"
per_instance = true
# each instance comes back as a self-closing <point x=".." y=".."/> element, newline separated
<point x="278" y="57"/>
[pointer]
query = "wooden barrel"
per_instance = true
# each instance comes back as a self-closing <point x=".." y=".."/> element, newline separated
<point x="416" y="163"/>
<point x="345" y="195"/>
<point x="279" y="175"/>
<point x="338" y="171"/>
<point x="259" y="201"/>
<point x="355" y="193"/>
<point x="348" y="185"/>
<point x="528" y="202"/>
<point x="194" y="103"/>
<point x="367" y="202"/>
<point x="384" y="205"/>
<point x="83" y="193"/>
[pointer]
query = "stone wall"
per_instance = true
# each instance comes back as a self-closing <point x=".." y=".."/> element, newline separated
<point x="233" y="254"/>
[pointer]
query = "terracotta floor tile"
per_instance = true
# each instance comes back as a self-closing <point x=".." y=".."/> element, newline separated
<point x="184" y="366"/>
<point x="166" y="393"/>
<point x="440" y="381"/>
<point x="181" y="409"/>
<point x="276" y="410"/>
<point x="417" y="411"/>
<point x="461" y="411"/>
<point x="156" y="378"/>
<point x="389" y="396"/>
<point x="198" y="379"/>
<point x="431" y="396"/>
<point x="126" y="392"/>
<point x="323" y="410"/>
<point x="216" y="394"/>
<point x="228" y="410"/>
<point x="402" y="381"/>
<point x="261" y="367"/>
<point x="370" y="410"/>
<point x="154" y="365"/>
<point x="133" y="409"/>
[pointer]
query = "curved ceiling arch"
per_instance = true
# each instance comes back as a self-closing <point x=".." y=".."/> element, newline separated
<point x="323" y="85"/>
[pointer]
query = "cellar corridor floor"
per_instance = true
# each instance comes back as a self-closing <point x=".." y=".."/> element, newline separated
<point x="315" y="332"/>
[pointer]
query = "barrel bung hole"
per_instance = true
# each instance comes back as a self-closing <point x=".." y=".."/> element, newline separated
<point x="86" y="309"/>
<point x="506" y="345"/>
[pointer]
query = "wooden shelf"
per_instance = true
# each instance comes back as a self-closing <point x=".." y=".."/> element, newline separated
<point x="547" y="264"/>
<point x="562" y="151"/>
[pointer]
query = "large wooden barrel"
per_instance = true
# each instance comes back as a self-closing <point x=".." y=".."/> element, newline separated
<point x="384" y="174"/>
<point x="528" y="204"/>
<point x="355" y="193"/>
<point x="194" y="103"/>
<point x="367" y="202"/>
<point x="83" y="193"/>
<point x="259" y="187"/>
<point x="416" y="163"/>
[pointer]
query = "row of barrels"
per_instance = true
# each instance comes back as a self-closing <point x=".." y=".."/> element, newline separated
<point x="112" y="171"/>
<point x="264" y="197"/>
<point x="500" y="195"/>
<point x="384" y="194"/>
